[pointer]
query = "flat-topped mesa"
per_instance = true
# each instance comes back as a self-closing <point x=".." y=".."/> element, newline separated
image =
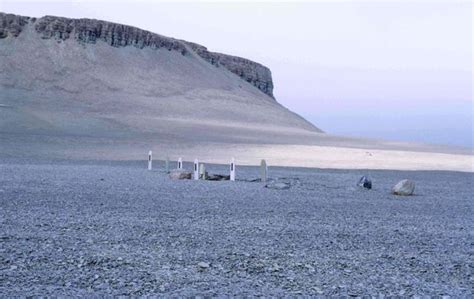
<point x="117" y="35"/>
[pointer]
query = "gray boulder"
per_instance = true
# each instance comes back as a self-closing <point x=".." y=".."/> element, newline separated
<point x="404" y="187"/>
<point x="180" y="174"/>
<point x="203" y="265"/>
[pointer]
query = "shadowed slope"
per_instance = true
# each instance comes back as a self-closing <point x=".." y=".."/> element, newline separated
<point x="56" y="84"/>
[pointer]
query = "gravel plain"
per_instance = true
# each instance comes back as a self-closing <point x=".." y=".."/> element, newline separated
<point x="110" y="228"/>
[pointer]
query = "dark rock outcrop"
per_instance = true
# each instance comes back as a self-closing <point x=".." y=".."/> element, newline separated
<point x="12" y="24"/>
<point x="117" y="35"/>
<point x="252" y="72"/>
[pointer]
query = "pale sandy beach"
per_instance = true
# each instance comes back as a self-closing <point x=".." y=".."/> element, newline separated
<point x="363" y="155"/>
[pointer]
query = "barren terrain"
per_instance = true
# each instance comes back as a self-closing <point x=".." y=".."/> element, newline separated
<point x="77" y="228"/>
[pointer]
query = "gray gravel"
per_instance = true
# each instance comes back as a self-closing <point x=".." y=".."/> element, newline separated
<point x="113" y="228"/>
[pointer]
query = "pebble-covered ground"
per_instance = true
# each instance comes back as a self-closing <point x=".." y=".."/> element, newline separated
<point x="113" y="228"/>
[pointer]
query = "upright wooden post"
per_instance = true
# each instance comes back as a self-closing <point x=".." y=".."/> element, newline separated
<point x="232" y="169"/>
<point x="196" y="169"/>
<point x="149" y="160"/>
<point x="167" y="165"/>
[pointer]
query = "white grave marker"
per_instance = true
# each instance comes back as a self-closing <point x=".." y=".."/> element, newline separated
<point x="196" y="169"/>
<point x="232" y="170"/>
<point x="202" y="172"/>
<point x="263" y="171"/>
<point x="149" y="160"/>
<point x="180" y="163"/>
<point x="167" y="165"/>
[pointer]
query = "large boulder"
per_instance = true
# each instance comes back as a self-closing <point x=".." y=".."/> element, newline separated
<point x="180" y="174"/>
<point x="404" y="187"/>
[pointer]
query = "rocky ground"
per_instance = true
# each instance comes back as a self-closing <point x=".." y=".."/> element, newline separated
<point x="113" y="228"/>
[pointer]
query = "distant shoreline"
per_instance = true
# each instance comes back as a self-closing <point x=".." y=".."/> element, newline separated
<point x="281" y="155"/>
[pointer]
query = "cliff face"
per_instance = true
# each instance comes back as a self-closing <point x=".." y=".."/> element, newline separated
<point x="252" y="72"/>
<point x="12" y="24"/>
<point x="116" y="35"/>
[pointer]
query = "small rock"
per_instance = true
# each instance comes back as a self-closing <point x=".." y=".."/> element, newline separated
<point x="404" y="187"/>
<point x="275" y="268"/>
<point x="317" y="290"/>
<point x="278" y="186"/>
<point x="365" y="182"/>
<point x="180" y="174"/>
<point x="203" y="265"/>
<point x="309" y="267"/>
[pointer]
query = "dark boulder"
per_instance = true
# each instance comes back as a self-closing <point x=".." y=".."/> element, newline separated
<point x="218" y="177"/>
<point x="365" y="182"/>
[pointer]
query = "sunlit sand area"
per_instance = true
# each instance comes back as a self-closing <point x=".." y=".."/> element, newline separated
<point x="316" y="150"/>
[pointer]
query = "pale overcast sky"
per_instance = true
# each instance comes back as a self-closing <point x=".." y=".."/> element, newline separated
<point x="393" y="70"/>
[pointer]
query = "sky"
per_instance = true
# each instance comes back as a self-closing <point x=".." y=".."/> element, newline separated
<point x="395" y="70"/>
